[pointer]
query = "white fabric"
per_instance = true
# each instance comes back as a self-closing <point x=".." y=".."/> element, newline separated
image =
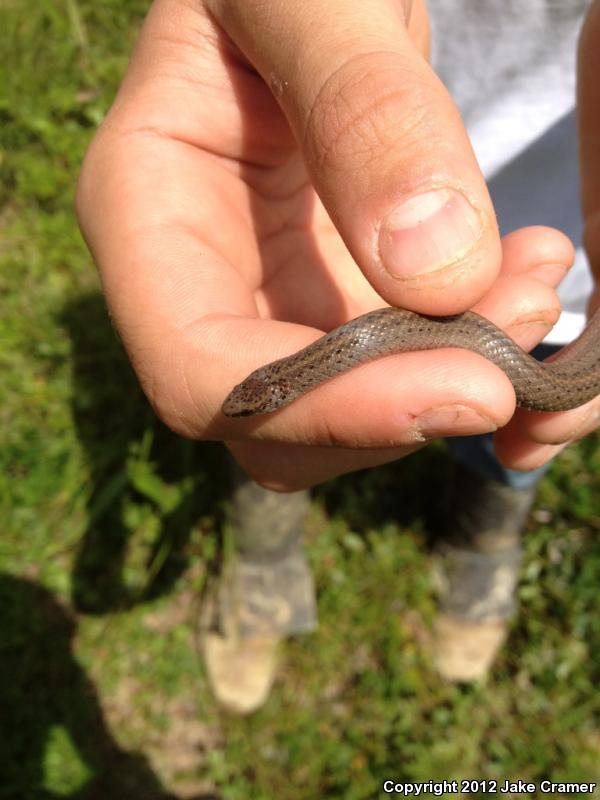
<point x="510" y="67"/>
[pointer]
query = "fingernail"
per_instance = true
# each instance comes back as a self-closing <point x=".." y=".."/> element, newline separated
<point x="451" y="420"/>
<point x="529" y="329"/>
<point x="428" y="232"/>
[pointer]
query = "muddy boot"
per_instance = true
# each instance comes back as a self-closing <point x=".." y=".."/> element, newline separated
<point x="476" y="570"/>
<point x="265" y="593"/>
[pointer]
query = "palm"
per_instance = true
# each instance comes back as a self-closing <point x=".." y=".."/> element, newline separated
<point x="229" y="172"/>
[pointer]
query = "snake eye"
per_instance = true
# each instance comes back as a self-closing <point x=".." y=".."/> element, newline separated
<point x="245" y="412"/>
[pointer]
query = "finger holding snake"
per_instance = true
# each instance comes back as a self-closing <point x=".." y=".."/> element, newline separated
<point x="409" y="397"/>
<point x="532" y="439"/>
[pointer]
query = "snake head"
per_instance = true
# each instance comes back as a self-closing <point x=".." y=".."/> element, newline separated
<point x="258" y="394"/>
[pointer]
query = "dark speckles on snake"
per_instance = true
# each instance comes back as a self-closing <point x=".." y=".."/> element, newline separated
<point x="567" y="382"/>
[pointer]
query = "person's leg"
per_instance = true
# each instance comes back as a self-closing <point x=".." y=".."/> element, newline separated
<point x="478" y="558"/>
<point x="265" y="592"/>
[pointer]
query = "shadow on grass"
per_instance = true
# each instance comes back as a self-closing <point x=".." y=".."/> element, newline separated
<point x="413" y="493"/>
<point x="134" y="461"/>
<point x="121" y="433"/>
<point x="42" y="687"/>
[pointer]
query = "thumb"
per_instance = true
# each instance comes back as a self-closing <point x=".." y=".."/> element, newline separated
<point x="383" y="141"/>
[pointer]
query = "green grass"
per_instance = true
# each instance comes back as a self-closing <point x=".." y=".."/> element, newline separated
<point x="109" y="525"/>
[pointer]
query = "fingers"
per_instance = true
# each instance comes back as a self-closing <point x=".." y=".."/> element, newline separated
<point x="543" y="253"/>
<point x="523" y="301"/>
<point x="187" y="320"/>
<point x="383" y="142"/>
<point x="289" y="468"/>
<point x="531" y="439"/>
<point x="396" y="401"/>
<point x="535" y="260"/>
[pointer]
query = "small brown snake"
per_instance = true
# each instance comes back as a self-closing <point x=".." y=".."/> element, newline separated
<point x="569" y="381"/>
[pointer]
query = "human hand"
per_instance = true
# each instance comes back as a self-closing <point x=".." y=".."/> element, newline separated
<point x="531" y="439"/>
<point x="271" y="170"/>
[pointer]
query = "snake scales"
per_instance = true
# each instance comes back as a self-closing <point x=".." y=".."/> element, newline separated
<point x="569" y="381"/>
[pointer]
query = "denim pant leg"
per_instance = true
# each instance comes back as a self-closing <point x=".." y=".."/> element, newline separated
<point x="269" y="586"/>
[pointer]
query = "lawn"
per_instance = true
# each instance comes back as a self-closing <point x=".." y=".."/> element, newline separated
<point x="110" y="526"/>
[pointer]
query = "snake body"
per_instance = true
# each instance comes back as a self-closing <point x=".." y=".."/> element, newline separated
<point x="569" y="381"/>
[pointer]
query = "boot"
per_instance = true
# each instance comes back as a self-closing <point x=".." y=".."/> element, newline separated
<point x="476" y="569"/>
<point x="265" y="593"/>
